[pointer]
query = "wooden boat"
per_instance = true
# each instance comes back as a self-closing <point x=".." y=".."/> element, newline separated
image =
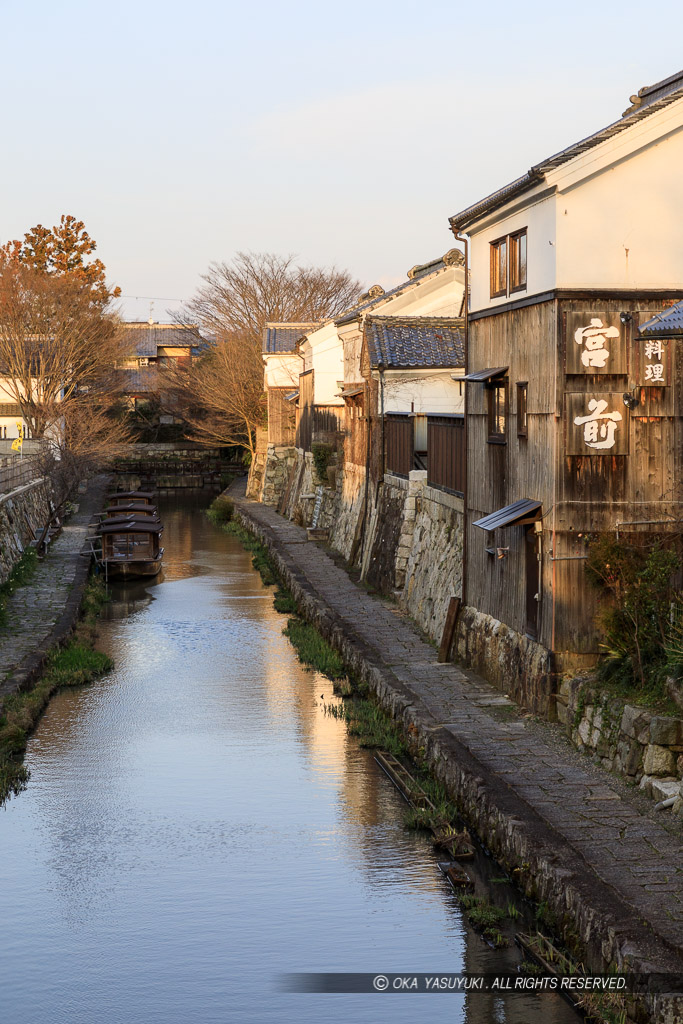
<point x="125" y="497"/>
<point x="131" y="547"/>
<point x="135" y="508"/>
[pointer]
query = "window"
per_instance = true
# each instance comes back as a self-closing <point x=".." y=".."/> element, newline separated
<point x="521" y="408"/>
<point x="499" y="267"/>
<point x="518" y="261"/>
<point x="497" y="411"/>
<point x="508" y="264"/>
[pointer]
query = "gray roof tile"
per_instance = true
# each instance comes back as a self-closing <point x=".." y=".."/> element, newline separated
<point x="415" y="342"/>
<point x="666" y="323"/>
<point x="283" y="337"/>
<point x="142" y="340"/>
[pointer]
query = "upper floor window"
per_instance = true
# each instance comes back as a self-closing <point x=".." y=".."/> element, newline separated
<point x="521" y="408"/>
<point x="508" y="264"/>
<point x="497" y="411"/>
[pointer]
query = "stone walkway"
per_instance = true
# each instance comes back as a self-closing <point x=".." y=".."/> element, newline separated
<point x="42" y="612"/>
<point x="629" y="862"/>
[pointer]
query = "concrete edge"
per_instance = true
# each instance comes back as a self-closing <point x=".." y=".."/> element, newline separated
<point x="539" y="857"/>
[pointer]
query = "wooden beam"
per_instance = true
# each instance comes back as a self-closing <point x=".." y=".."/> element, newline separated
<point x="449" y="629"/>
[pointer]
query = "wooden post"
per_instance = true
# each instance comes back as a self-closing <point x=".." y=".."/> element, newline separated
<point x="449" y="629"/>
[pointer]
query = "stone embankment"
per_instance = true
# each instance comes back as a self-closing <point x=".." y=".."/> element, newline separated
<point x="42" y="613"/>
<point x="610" y="876"/>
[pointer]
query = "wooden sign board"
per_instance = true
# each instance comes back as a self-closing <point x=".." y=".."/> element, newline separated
<point x="653" y="371"/>
<point x="596" y="424"/>
<point x="595" y="343"/>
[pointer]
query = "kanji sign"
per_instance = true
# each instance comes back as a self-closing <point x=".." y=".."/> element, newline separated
<point x="653" y="362"/>
<point x="597" y="424"/>
<point x="595" y="343"/>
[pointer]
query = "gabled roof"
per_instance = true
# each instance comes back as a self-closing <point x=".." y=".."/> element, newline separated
<point x="376" y="296"/>
<point x="666" y="324"/>
<point x="139" y="382"/>
<point x="283" y="337"/>
<point x="143" y="339"/>
<point x="647" y="101"/>
<point x="415" y="342"/>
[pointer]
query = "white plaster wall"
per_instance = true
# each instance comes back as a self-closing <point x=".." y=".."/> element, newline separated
<point x="621" y="228"/>
<point x="429" y="392"/>
<point x="539" y="220"/>
<point x="327" y="360"/>
<point x="282" y="370"/>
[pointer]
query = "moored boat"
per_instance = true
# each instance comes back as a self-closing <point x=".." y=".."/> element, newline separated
<point x="126" y="497"/>
<point x="130" y="547"/>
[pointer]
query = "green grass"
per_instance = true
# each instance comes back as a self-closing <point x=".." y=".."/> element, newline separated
<point x="72" y="665"/>
<point x="18" y="577"/>
<point x="312" y="649"/>
<point x="485" y="918"/>
<point x="221" y="510"/>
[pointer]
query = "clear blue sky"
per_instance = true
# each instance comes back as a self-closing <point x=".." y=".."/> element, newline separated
<point x="345" y="133"/>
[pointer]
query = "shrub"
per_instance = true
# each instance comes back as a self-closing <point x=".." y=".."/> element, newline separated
<point x="636" y="618"/>
<point x="322" y="456"/>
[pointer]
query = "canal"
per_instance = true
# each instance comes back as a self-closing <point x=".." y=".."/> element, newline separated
<point x="196" y="826"/>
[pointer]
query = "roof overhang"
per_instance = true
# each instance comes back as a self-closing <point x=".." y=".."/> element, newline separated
<point x="526" y="510"/>
<point x="292" y="396"/>
<point x="481" y="376"/>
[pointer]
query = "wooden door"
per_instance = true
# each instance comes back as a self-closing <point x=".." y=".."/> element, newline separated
<point x="533" y="582"/>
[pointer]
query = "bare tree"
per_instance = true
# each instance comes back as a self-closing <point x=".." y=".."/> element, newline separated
<point x="224" y="389"/>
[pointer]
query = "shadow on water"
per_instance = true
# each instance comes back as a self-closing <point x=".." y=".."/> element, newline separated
<point x="196" y="826"/>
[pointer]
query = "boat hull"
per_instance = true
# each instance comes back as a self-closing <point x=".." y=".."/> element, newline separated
<point x="125" y="570"/>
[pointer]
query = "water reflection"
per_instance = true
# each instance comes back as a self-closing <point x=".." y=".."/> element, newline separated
<point x="196" y="825"/>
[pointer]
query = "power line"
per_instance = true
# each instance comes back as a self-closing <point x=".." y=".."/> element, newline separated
<point x="161" y="298"/>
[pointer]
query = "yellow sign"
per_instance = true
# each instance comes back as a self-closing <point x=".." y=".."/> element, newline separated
<point x="16" y="445"/>
<point x="20" y="426"/>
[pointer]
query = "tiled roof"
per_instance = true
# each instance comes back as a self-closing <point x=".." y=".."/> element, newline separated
<point x="139" y="382"/>
<point x="415" y="342"/>
<point x="283" y="337"/>
<point x="664" y="324"/>
<point x="142" y="339"/>
<point x="376" y="296"/>
<point x="648" y="101"/>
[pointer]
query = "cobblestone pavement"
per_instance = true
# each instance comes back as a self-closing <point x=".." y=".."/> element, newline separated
<point x="638" y="859"/>
<point x="34" y="610"/>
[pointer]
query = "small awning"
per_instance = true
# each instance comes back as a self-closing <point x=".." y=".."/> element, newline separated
<point x="483" y="375"/>
<point x="525" y="508"/>
<point x="351" y="392"/>
<point x="292" y="396"/>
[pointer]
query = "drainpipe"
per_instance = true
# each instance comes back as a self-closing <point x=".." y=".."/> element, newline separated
<point x="380" y="367"/>
<point x="466" y="305"/>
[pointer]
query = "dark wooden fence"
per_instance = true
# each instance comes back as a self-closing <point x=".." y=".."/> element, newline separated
<point x="399" y="444"/>
<point x="446" y="453"/>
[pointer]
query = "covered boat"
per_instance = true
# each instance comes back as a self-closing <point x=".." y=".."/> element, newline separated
<point x="131" y="547"/>
<point x="125" y="497"/>
<point x="135" y="508"/>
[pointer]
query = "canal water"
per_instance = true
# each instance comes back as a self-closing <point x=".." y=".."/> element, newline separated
<point x="195" y="827"/>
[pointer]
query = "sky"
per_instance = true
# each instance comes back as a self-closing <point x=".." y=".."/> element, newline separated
<point x="347" y="134"/>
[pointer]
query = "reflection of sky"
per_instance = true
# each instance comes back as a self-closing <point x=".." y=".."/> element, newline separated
<point x="194" y="825"/>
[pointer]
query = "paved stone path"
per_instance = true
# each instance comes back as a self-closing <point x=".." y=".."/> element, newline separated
<point x="635" y="857"/>
<point x="35" y="610"/>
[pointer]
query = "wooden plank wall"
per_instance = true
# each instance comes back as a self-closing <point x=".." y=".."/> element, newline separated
<point x="497" y="475"/>
<point x="281" y="417"/>
<point x="446" y="466"/>
<point x="304" y="430"/>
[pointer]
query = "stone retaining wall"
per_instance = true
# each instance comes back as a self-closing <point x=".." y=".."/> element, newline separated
<point x="632" y="741"/>
<point x="23" y="514"/>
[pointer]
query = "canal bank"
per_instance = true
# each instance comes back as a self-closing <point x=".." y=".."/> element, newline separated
<point x="42" y="613"/>
<point x="609" y="875"/>
<point x="197" y="826"/>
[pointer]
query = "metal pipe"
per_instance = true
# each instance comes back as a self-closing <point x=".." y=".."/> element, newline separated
<point x="565" y="558"/>
<point x="643" y="522"/>
<point x="663" y="804"/>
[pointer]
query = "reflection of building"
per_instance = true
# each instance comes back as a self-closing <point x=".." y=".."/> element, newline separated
<point x="573" y="425"/>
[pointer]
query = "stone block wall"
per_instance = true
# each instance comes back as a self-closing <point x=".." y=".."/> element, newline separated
<point x="630" y="740"/>
<point x="515" y="664"/>
<point x="433" y="553"/>
<point x="278" y="465"/>
<point x="23" y="514"/>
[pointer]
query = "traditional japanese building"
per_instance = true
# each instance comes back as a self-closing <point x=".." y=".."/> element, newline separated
<point x="573" y="410"/>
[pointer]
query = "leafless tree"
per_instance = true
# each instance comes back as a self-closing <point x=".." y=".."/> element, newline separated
<point x="224" y="389"/>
